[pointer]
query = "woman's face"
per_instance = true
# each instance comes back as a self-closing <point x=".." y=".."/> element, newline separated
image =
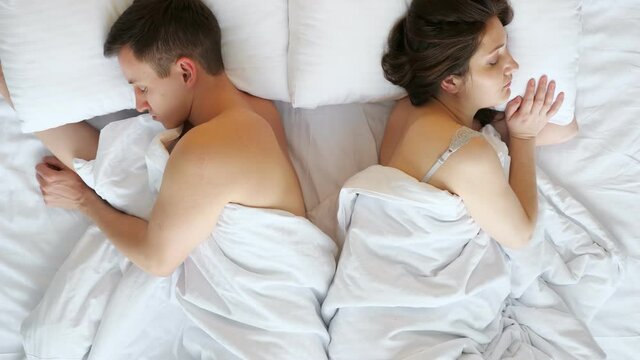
<point x="488" y="81"/>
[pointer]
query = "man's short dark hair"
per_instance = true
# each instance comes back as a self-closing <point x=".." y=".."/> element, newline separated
<point x="161" y="31"/>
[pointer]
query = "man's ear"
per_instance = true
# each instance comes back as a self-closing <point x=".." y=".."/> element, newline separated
<point x="188" y="70"/>
<point x="452" y="84"/>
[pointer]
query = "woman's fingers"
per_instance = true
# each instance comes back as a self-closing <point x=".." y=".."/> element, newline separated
<point x="512" y="107"/>
<point x="548" y="100"/>
<point x="527" y="102"/>
<point x="541" y="92"/>
<point x="556" y="105"/>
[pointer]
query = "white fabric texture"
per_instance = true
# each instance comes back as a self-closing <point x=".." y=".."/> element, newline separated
<point x="599" y="168"/>
<point x="335" y="49"/>
<point x="52" y="59"/>
<point x="56" y="73"/>
<point x="255" y="39"/>
<point x="439" y="287"/>
<point x="544" y="38"/>
<point x="252" y="289"/>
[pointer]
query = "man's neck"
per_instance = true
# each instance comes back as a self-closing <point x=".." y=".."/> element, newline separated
<point x="213" y="96"/>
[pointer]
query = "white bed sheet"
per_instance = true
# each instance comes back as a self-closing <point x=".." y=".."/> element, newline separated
<point x="601" y="168"/>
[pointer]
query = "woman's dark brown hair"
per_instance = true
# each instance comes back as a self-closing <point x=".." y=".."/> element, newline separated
<point x="437" y="38"/>
<point x="161" y="31"/>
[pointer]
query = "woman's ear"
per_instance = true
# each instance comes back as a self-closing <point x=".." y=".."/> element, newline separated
<point x="452" y="84"/>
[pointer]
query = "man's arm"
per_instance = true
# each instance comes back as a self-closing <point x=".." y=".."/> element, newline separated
<point x="66" y="142"/>
<point x="4" y="90"/>
<point x="198" y="182"/>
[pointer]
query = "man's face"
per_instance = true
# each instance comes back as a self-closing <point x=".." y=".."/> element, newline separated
<point x="168" y="99"/>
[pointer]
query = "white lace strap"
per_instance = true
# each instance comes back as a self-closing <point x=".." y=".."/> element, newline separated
<point x="460" y="138"/>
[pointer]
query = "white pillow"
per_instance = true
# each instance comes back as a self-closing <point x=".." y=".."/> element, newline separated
<point x="255" y="37"/>
<point x="544" y="39"/>
<point x="52" y="58"/>
<point x="336" y="48"/>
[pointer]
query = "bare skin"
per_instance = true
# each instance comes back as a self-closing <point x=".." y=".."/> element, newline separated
<point x="415" y="138"/>
<point x="4" y="90"/>
<point x="234" y="151"/>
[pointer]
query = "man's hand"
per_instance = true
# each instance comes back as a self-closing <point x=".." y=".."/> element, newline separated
<point x="60" y="186"/>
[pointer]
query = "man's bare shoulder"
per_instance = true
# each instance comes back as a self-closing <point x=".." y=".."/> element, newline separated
<point x="233" y="131"/>
<point x="235" y="145"/>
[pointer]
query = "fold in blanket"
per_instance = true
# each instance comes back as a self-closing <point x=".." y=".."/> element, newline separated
<point x="252" y="290"/>
<point x="418" y="279"/>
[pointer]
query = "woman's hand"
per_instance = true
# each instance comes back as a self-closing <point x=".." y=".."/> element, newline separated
<point x="60" y="186"/>
<point x="527" y="116"/>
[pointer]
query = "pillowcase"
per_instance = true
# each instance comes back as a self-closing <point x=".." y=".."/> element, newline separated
<point x="336" y="48"/>
<point x="255" y="38"/>
<point x="52" y="58"/>
<point x="544" y="39"/>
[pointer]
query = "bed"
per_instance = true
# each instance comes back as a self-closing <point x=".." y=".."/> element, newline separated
<point x="600" y="168"/>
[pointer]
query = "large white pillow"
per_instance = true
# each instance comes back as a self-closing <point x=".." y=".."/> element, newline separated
<point x="255" y="38"/>
<point x="336" y="48"/>
<point x="52" y="58"/>
<point x="544" y="38"/>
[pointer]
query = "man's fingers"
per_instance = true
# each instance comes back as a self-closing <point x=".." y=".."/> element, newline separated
<point x="52" y="160"/>
<point x="44" y="171"/>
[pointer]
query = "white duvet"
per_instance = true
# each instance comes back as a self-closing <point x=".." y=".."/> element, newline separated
<point x="252" y="290"/>
<point x="418" y="279"/>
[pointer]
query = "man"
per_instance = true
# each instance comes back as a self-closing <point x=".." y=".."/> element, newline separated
<point x="252" y="283"/>
<point x="233" y="150"/>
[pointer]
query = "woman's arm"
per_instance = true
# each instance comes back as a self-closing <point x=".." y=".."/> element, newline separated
<point x="556" y="134"/>
<point x="506" y="210"/>
<point x="549" y="135"/>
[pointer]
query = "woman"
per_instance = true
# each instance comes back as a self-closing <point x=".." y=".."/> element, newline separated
<point x="451" y="71"/>
<point x="419" y="276"/>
